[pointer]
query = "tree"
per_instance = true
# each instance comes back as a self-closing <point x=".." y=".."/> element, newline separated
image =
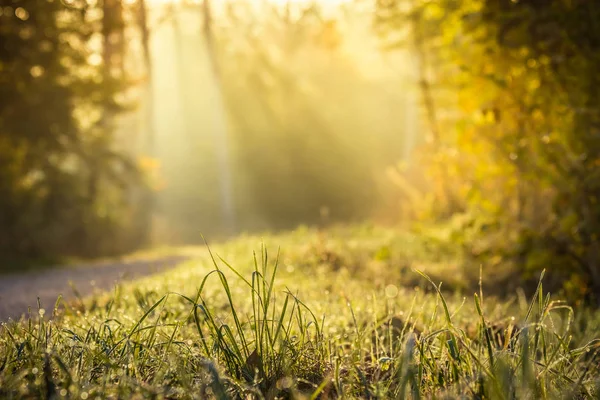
<point x="63" y="180"/>
<point x="518" y="81"/>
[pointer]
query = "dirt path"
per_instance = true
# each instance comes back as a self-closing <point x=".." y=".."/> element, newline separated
<point x="20" y="291"/>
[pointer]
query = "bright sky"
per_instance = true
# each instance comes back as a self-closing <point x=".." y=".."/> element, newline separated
<point x="284" y="2"/>
<point x="324" y="3"/>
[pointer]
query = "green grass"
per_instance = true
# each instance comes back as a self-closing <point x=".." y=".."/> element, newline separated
<point x="339" y="313"/>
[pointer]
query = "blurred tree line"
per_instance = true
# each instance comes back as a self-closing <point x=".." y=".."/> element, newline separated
<point x="308" y="134"/>
<point x="66" y="188"/>
<point x="512" y="149"/>
<point x="311" y="135"/>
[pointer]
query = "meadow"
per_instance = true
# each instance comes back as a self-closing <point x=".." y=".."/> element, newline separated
<point x="345" y="312"/>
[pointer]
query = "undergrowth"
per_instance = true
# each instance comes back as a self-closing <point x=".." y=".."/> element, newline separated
<point x="298" y="326"/>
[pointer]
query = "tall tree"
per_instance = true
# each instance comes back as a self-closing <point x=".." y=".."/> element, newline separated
<point x="517" y="81"/>
<point x="61" y="174"/>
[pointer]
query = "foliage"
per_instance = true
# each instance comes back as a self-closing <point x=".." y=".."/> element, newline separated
<point x="299" y="327"/>
<point x="514" y="88"/>
<point x="62" y="179"/>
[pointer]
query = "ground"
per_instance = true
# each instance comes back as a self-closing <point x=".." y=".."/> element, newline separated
<point x="342" y="312"/>
<point x="21" y="291"/>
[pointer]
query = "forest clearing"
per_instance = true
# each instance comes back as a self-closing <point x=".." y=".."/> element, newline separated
<point x="299" y="199"/>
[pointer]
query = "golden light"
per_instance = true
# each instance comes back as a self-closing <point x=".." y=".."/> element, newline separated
<point x="257" y="3"/>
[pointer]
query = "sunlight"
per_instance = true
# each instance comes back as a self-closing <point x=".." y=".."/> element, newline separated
<point x="256" y="3"/>
<point x="268" y="199"/>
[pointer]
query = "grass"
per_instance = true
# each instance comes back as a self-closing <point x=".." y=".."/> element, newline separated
<point x="335" y="314"/>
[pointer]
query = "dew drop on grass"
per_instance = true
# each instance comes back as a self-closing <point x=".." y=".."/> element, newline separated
<point x="391" y="291"/>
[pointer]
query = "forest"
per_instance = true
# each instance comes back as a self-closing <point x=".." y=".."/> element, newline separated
<point x="390" y="144"/>
<point x="482" y="117"/>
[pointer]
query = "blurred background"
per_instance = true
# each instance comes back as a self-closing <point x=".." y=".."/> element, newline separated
<point x="127" y="124"/>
